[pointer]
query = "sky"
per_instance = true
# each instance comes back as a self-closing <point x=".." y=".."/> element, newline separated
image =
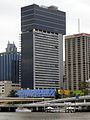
<point x="10" y="16"/>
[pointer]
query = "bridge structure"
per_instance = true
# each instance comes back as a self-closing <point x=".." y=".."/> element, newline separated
<point x="79" y="103"/>
<point x="85" y="98"/>
<point x="82" y="101"/>
<point x="21" y="100"/>
<point x="72" y="101"/>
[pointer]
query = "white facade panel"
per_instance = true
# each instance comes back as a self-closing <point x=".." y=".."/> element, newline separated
<point x="48" y="59"/>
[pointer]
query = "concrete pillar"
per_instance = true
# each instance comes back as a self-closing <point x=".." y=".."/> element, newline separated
<point x="36" y="108"/>
<point x="84" y="100"/>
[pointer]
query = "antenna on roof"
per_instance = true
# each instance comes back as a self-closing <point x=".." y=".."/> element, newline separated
<point x="78" y="25"/>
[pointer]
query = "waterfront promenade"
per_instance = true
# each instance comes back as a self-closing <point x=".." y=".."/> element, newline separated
<point x="48" y="100"/>
<point x="18" y="99"/>
<point x="40" y="104"/>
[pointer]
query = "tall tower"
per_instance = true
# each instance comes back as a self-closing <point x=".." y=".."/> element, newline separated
<point x="42" y="46"/>
<point x="11" y="47"/>
<point x="77" y="60"/>
<point x="9" y="64"/>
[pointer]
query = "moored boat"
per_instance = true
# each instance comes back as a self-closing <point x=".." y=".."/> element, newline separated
<point x="54" y="110"/>
<point x="21" y="109"/>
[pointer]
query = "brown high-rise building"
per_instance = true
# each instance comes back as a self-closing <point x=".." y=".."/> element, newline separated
<point x="77" y="60"/>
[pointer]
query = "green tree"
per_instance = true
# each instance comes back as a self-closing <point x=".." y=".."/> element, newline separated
<point x="84" y="87"/>
<point x="59" y="93"/>
<point x="71" y="94"/>
<point x="12" y="93"/>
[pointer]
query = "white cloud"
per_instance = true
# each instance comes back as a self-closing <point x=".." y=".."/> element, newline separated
<point x="9" y="22"/>
<point x="10" y="17"/>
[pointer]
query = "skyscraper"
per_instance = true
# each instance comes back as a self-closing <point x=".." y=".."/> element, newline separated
<point x="9" y="64"/>
<point x="42" y="46"/>
<point x="11" y="47"/>
<point x="77" y="60"/>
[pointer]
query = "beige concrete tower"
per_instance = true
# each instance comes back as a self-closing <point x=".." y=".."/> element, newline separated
<point x="77" y="60"/>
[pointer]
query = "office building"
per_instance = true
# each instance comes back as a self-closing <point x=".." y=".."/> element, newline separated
<point x="77" y="60"/>
<point x="9" y="64"/>
<point x="7" y="86"/>
<point x="11" y="47"/>
<point x="64" y="75"/>
<point x="42" y="30"/>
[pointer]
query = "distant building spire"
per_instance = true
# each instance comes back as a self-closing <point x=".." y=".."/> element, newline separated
<point x="11" y="47"/>
<point x="8" y="42"/>
<point x="13" y="43"/>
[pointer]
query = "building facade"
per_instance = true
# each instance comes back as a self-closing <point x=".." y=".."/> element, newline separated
<point x="77" y="60"/>
<point x="9" y="64"/>
<point x="7" y="86"/>
<point x="42" y="46"/>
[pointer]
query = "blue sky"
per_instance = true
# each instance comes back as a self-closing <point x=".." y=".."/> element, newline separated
<point x="10" y="17"/>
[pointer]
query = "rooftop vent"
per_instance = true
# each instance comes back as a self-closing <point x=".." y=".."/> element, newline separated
<point x="52" y="7"/>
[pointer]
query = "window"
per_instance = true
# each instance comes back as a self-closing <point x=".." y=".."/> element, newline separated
<point x="2" y="90"/>
<point x="56" y="47"/>
<point x="2" y="87"/>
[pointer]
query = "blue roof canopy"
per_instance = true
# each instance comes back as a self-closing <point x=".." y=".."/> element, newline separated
<point x="36" y="93"/>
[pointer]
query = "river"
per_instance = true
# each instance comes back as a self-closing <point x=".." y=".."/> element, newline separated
<point x="44" y="116"/>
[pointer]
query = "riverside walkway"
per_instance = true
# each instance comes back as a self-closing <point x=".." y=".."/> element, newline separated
<point x="18" y="99"/>
<point x="48" y="100"/>
<point x="41" y="102"/>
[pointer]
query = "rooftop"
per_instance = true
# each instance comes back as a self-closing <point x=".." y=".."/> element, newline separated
<point x="77" y="35"/>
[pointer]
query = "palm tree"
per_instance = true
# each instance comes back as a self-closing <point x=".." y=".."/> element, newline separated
<point x="12" y="93"/>
<point x="84" y="87"/>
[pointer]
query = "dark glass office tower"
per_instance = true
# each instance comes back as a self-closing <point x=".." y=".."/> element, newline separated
<point x="42" y="46"/>
<point x="9" y="64"/>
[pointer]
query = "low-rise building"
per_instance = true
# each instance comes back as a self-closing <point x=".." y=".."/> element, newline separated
<point x="7" y="86"/>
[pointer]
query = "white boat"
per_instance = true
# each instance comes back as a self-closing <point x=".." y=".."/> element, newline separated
<point x="54" y="110"/>
<point x="70" y="109"/>
<point x="20" y="109"/>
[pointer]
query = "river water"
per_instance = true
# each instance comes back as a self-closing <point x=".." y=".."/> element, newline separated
<point x="44" y="116"/>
